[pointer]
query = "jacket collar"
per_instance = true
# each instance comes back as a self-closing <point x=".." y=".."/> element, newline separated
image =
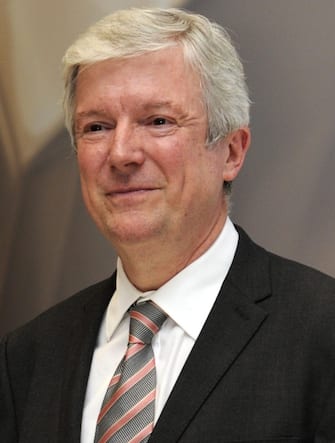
<point x="235" y="318"/>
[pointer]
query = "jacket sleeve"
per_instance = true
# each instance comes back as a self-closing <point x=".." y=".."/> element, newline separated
<point x="8" y="431"/>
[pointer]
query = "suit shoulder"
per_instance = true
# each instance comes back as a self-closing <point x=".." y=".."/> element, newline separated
<point x="299" y="277"/>
<point x="58" y="318"/>
<point x="305" y="295"/>
<point x="283" y="272"/>
<point x="288" y="281"/>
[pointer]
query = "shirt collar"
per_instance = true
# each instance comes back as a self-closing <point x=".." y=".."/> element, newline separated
<point x="189" y="296"/>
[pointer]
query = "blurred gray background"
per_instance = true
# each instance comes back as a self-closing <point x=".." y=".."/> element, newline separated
<point x="284" y="196"/>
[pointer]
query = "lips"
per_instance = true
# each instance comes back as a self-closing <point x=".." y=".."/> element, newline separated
<point x="130" y="190"/>
<point x="125" y="197"/>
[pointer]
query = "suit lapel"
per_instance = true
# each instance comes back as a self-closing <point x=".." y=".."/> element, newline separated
<point x="81" y="344"/>
<point x="235" y="318"/>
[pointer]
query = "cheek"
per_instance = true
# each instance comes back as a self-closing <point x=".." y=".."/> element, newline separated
<point x="208" y="168"/>
<point x="88" y="177"/>
<point x="170" y="159"/>
<point x="89" y="164"/>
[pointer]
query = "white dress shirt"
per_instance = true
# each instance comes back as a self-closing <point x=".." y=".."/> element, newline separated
<point x="186" y="299"/>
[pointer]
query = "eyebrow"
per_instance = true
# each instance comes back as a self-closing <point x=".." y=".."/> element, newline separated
<point x="160" y="105"/>
<point x="101" y="112"/>
<point x="91" y="113"/>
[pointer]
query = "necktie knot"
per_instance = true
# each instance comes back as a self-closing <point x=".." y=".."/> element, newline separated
<point x="145" y="321"/>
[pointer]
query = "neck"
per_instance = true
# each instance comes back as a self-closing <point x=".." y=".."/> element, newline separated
<point x="151" y="264"/>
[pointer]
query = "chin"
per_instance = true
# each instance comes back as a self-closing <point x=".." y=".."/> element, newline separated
<point x="132" y="233"/>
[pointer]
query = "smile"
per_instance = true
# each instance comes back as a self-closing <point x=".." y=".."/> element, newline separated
<point x="130" y="196"/>
<point x="125" y="191"/>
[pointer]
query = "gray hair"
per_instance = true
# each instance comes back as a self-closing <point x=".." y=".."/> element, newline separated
<point x="206" y="45"/>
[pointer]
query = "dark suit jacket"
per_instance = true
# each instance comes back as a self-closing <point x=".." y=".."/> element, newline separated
<point x="262" y="369"/>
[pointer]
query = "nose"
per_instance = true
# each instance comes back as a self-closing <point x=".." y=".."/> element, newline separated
<point x="126" y="151"/>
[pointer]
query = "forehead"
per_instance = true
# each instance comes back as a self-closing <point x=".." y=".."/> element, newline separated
<point x="161" y="77"/>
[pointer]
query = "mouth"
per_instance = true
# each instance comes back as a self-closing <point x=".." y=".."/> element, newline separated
<point x="129" y="191"/>
<point x="130" y="196"/>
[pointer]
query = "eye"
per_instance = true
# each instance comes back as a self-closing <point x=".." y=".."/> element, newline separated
<point x="95" y="127"/>
<point x="160" y="126"/>
<point x="159" y="121"/>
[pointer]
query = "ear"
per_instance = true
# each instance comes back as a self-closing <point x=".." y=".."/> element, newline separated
<point x="236" y="145"/>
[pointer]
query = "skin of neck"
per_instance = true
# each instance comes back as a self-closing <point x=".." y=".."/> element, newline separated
<point x="151" y="263"/>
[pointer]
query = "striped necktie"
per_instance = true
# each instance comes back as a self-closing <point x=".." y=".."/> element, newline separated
<point x="127" y="412"/>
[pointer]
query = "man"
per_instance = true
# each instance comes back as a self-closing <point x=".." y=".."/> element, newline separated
<point x="158" y="111"/>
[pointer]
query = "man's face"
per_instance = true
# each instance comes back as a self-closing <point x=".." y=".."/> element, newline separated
<point x="146" y="172"/>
